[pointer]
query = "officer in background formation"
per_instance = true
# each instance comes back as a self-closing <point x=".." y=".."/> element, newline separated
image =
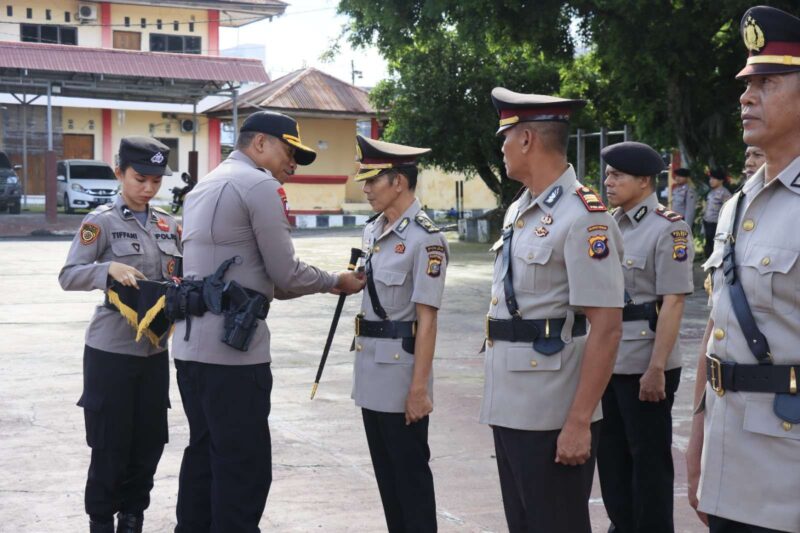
<point x="753" y="160"/>
<point x="238" y="212"/>
<point x="125" y="381"/>
<point x="406" y="261"/>
<point x="684" y="197"/>
<point x="717" y="195"/>
<point x="748" y="414"/>
<point x="557" y="268"/>
<point x="634" y="458"/>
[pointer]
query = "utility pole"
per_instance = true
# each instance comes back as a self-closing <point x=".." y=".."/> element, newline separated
<point x="354" y="72"/>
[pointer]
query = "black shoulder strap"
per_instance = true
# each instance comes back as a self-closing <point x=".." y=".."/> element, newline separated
<point x="508" y="278"/>
<point x="756" y="340"/>
<point x="373" y="292"/>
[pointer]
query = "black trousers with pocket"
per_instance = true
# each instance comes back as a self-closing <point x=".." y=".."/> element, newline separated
<point x="400" y="456"/>
<point x="226" y="471"/>
<point x="125" y="400"/>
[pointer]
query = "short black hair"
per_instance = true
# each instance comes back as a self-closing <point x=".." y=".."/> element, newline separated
<point x="410" y="172"/>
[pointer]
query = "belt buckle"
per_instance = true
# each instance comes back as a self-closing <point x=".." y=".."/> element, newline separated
<point x="358" y="325"/>
<point x="486" y="327"/>
<point x="414" y="329"/>
<point x="716" y="376"/>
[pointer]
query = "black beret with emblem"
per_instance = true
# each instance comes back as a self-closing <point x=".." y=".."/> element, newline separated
<point x="636" y="159"/>
<point x="281" y="127"/>
<point x="772" y="38"/>
<point x="146" y="155"/>
<point x="376" y="157"/>
<point x="683" y="172"/>
<point x="514" y="108"/>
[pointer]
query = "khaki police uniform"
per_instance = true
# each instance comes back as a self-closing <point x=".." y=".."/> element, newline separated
<point x="635" y="447"/>
<point x="126" y="382"/>
<point x="238" y="210"/>
<point x="405" y="265"/>
<point x="684" y="202"/>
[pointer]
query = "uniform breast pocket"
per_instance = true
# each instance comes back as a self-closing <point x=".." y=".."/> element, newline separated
<point x="760" y="418"/>
<point x="394" y="291"/>
<point x="391" y="352"/>
<point x="530" y="271"/>
<point x="169" y="257"/>
<point x="128" y="252"/>
<point x="770" y="279"/>
<point x="633" y="268"/>
<point x="521" y="358"/>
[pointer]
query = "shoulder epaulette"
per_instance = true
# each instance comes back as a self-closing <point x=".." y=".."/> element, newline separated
<point x="423" y="220"/>
<point x="162" y="210"/>
<point x="590" y="199"/>
<point x="102" y="208"/>
<point x="672" y="216"/>
<point x="373" y="217"/>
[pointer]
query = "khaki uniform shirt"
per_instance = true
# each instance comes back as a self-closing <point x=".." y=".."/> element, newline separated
<point x="658" y="261"/>
<point x="564" y="257"/>
<point x="112" y="233"/>
<point x="409" y="262"/>
<point x="239" y="210"/>
<point x="714" y="200"/>
<point x="684" y="202"/>
<point x="751" y="462"/>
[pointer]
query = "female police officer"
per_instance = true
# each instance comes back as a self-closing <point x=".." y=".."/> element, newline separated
<point x="125" y="381"/>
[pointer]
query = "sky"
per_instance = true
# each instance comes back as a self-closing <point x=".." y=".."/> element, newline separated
<point x="300" y="36"/>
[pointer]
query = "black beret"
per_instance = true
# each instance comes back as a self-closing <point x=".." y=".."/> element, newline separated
<point x="636" y="159"/>
<point x="718" y="174"/>
<point x="282" y="127"/>
<point x="684" y="172"/>
<point x="146" y="155"/>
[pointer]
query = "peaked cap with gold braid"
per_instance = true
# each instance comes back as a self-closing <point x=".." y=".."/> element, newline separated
<point x="514" y="108"/>
<point x="377" y="157"/>
<point x="772" y="38"/>
<point x="143" y="308"/>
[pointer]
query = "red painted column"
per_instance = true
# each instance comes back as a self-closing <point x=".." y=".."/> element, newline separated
<point x="213" y="32"/>
<point x="375" y="130"/>
<point x="108" y="148"/>
<point x="105" y="25"/>
<point x="214" y="144"/>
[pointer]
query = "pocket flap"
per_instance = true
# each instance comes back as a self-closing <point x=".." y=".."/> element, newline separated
<point x="389" y="277"/>
<point x="533" y="255"/>
<point x="521" y="358"/>
<point x="760" y="418"/>
<point x="769" y="259"/>
<point x="637" y="330"/>
<point x="123" y="248"/>
<point x="390" y="351"/>
<point x="634" y="261"/>
<point x="168" y="247"/>
<point x="91" y="401"/>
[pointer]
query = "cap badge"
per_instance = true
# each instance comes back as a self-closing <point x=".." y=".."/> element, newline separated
<point x="158" y="158"/>
<point x="753" y="35"/>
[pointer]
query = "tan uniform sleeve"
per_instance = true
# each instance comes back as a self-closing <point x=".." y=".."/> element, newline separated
<point x="430" y="266"/>
<point x="593" y="260"/>
<point x="82" y="272"/>
<point x="673" y="260"/>
<point x="273" y="235"/>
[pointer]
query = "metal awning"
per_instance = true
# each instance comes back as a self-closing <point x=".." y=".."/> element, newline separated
<point x="121" y="74"/>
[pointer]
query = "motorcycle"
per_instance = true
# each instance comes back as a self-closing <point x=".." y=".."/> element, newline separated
<point x="179" y="193"/>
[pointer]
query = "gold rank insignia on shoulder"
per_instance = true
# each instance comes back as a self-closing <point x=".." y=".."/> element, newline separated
<point x="89" y="233"/>
<point x="672" y="216"/>
<point x="590" y="199"/>
<point x="423" y="220"/>
<point x="753" y="35"/>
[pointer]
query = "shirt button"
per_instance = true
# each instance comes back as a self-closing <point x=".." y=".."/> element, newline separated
<point x="629" y="262"/>
<point x="489" y="343"/>
<point x="358" y="347"/>
<point x="534" y="363"/>
<point x="520" y="223"/>
<point x="396" y="356"/>
<point x="748" y="224"/>
<point x="766" y="261"/>
<point x="530" y="256"/>
<point x="786" y="426"/>
<point x="643" y="333"/>
<point x="376" y="249"/>
<point x="719" y="334"/>
<point x="494" y="300"/>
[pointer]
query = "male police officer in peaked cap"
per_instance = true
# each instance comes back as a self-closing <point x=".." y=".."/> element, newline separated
<point x="634" y="457"/>
<point x="557" y="270"/>
<point x="237" y="213"/>
<point x="396" y="333"/>
<point x="747" y="421"/>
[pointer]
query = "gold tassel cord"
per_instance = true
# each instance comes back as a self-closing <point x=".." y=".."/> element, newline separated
<point x="148" y="319"/>
<point x="129" y="314"/>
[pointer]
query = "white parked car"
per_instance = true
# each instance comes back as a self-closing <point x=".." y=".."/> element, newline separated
<point x="85" y="184"/>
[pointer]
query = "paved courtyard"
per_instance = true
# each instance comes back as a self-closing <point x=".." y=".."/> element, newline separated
<point x="323" y="478"/>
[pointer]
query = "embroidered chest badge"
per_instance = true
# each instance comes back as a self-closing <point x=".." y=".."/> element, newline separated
<point x="598" y="247"/>
<point x="541" y="231"/>
<point x="162" y="224"/>
<point x="547" y="219"/>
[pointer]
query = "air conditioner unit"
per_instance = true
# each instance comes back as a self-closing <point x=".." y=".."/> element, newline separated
<point x="187" y="125"/>
<point x="87" y="12"/>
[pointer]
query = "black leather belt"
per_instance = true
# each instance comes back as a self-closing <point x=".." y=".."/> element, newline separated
<point x="644" y="311"/>
<point x="385" y="329"/>
<point x="520" y="330"/>
<point x="729" y="376"/>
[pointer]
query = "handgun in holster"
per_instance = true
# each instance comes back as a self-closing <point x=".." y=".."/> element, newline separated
<point x="243" y="310"/>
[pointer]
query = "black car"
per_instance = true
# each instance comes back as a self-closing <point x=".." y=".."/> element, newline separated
<point x="10" y="192"/>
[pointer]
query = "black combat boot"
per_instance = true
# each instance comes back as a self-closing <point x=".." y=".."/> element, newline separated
<point x="101" y="527"/>
<point x="129" y="523"/>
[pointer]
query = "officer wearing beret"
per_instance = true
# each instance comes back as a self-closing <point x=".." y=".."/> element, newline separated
<point x="238" y="211"/>
<point x="717" y="195"/>
<point x="746" y="433"/>
<point x="557" y="270"/>
<point x="684" y="197"/>
<point x="634" y="457"/>
<point x="406" y="261"/>
<point x="125" y="381"/>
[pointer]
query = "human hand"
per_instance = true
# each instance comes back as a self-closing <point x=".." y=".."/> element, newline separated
<point x="418" y="405"/>
<point x="574" y="445"/>
<point x="652" y="386"/>
<point x="125" y="274"/>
